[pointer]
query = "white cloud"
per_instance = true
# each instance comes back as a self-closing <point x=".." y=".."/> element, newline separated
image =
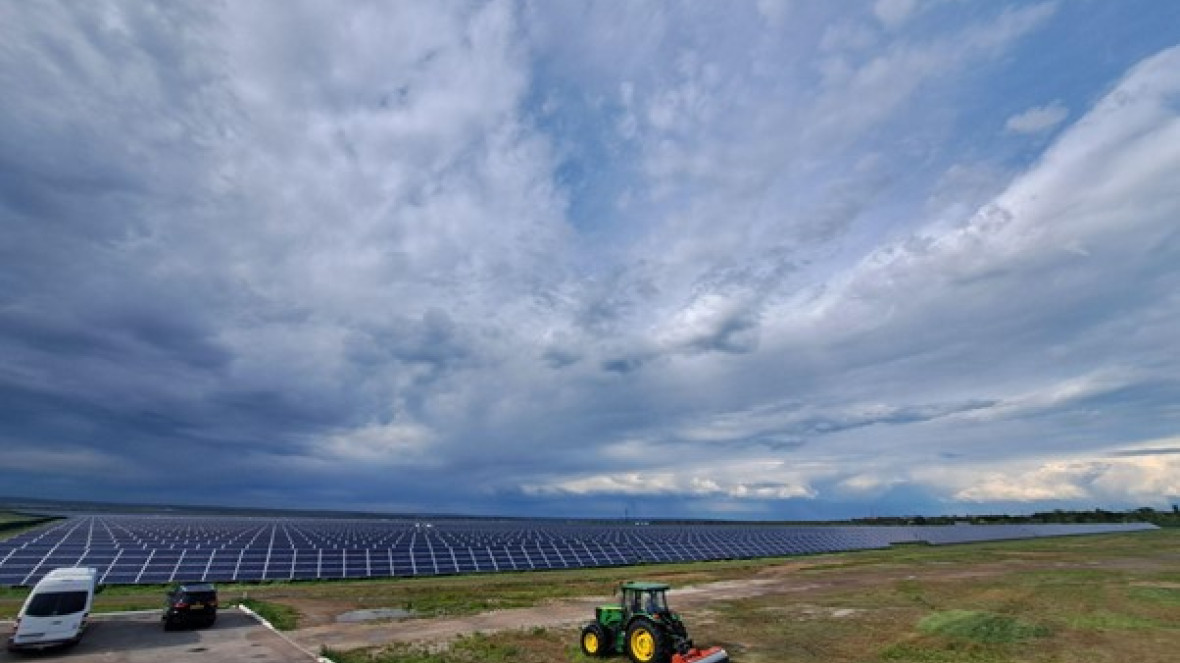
<point x="1144" y="473"/>
<point x="893" y="13"/>
<point x="1053" y="481"/>
<point x="393" y="444"/>
<point x="852" y="37"/>
<point x="711" y="322"/>
<point x="1038" y="119"/>
<point x="1083" y="191"/>
<point x="869" y="484"/>
<point x="1144" y="480"/>
<point x="1057" y="396"/>
<point x="1147" y="479"/>
<point x="774" y="11"/>
<point x="858" y="96"/>
<point x="666" y="483"/>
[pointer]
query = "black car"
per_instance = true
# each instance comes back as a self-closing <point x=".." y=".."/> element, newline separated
<point x="190" y="605"/>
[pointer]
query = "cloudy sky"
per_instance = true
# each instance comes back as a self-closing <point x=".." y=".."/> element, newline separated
<point x="792" y="259"/>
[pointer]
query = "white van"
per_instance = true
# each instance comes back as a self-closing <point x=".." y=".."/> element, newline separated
<point x="56" y="611"/>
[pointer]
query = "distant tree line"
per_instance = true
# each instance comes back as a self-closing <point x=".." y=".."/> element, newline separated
<point x="1141" y="515"/>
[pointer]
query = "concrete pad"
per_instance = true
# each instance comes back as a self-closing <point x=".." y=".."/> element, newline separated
<point x="140" y="638"/>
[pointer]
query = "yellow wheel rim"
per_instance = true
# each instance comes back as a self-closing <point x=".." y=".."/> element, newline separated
<point x="643" y="645"/>
<point x="590" y="642"/>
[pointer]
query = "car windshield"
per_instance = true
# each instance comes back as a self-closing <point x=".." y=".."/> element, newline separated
<point x="52" y="604"/>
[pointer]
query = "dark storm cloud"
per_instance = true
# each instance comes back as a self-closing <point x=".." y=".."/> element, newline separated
<point x="560" y="357"/>
<point x="789" y="426"/>
<point x="434" y="340"/>
<point x="623" y="365"/>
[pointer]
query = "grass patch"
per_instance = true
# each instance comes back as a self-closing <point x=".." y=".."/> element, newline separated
<point x="7" y="517"/>
<point x="282" y="617"/>
<point x="980" y="626"/>
<point x="1104" y="620"/>
<point x="1164" y="595"/>
<point x="908" y="652"/>
<point x="126" y="607"/>
<point x="470" y="594"/>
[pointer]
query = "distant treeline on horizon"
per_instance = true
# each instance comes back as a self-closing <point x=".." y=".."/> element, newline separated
<point x="1140" y="515"/>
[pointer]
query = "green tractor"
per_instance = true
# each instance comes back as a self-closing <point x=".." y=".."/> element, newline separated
<point x="642" y="626"/>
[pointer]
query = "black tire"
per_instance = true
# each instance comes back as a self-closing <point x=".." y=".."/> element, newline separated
<point x="646" y="642"/>
<point x="211" y="620"/>
<point x="595" y="640"/>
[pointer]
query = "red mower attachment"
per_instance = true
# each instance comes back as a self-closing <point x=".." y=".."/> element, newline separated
<point x="710" y="655"/>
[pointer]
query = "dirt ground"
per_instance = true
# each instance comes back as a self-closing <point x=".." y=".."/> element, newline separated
<point x="788" y="579"/>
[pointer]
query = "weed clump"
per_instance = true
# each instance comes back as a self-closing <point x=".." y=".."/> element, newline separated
<point x="979" y="626"/>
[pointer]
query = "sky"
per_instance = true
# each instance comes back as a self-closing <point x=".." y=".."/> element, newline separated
<point x="750" y="260"/>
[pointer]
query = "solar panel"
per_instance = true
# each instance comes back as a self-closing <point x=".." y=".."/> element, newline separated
<point x="141" y="549"/>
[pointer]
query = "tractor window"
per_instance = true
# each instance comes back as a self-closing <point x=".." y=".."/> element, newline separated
<point x="656" y="602"/>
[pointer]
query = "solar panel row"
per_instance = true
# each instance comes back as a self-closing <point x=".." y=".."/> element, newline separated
<point x="155" y="549"/>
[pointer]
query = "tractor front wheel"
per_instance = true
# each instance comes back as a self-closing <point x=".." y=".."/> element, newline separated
<point x="594" y="640"/>
<point x="646" y="642"/>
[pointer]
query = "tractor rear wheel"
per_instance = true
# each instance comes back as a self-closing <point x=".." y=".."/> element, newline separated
<point x="594" y="640"/>
<point x="646" y="642"/>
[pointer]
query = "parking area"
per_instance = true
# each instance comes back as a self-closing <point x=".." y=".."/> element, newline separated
<point x="139" y="638"/>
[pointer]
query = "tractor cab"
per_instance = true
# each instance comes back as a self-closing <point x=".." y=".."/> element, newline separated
<point x="644" y="598"/>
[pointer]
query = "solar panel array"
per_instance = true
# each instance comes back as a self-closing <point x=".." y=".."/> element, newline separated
<point x="141" y="549"/>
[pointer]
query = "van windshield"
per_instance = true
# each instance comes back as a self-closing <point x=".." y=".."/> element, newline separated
<point x="52" y="604"/>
